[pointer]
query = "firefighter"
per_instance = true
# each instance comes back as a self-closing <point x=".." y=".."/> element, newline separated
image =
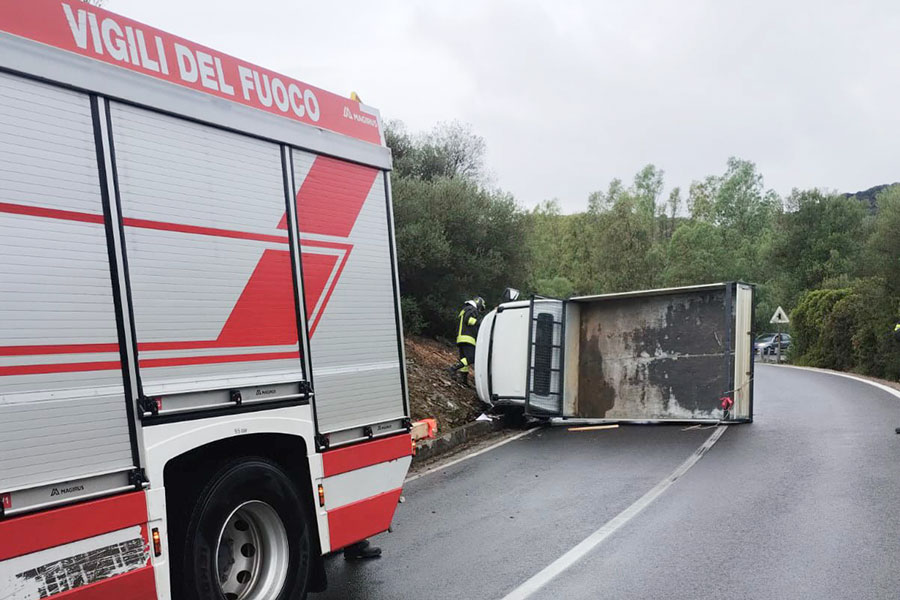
<point x="466" y="332"/>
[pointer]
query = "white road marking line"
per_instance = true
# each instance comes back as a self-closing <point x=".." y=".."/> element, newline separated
<point x="548" y="573"/>
<point x="881" y="386"/>
<point x="521" y="434"/>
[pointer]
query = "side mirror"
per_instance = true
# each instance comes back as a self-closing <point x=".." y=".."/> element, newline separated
<point x="510" y="294"/>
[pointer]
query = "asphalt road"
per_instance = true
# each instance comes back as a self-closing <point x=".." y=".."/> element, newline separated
<point x="803" y="503"/>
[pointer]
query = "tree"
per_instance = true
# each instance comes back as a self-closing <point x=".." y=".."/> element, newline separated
<point x="695" y="255"/>
<point x="673" y="206"/>
<point x="648" y="186"/>
<point x="403" y="149"/>
<point x="740" y="207"/>
<point x="452" y="149"/>
<point x="736" y="200"/>
<point x="448" y="150"/>
<point x="455" y="239"/>
<point x="600" y="201"/>
<point x="624" y="250"/>
<point x="555" y="287"/>
<point x="883" y="248"/>
<point x="820" y="240"/>
<point x="546" y="238"/>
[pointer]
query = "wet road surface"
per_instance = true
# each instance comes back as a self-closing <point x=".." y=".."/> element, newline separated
<point x="803" y="503"/>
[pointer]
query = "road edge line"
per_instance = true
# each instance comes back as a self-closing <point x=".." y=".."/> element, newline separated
<point x="579" y="551"/>
<point x="456" y="461"/>
<point x="880" y="386"/>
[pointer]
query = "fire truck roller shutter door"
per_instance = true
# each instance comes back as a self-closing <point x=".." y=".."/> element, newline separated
<point x="345" y="242"/>
<point x="62" y="405"/>
<point x="211" y="272"/>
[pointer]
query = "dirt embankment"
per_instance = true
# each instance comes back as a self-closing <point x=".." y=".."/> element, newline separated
<point x="432" y="392"/>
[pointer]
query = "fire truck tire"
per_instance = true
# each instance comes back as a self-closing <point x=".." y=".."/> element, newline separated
<point x="248" y="537"/>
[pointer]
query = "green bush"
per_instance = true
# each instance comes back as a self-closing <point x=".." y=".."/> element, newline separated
<point x="554" y="287"/>
<point x="811" y="345"/>
<point x="413" y="322"/>
<point x="848" y="329"/>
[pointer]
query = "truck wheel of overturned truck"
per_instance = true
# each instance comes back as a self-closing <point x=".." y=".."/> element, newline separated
<point x="248" y="536"/>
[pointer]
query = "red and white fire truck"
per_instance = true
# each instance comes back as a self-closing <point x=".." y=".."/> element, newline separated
<point x="202" y="385"/>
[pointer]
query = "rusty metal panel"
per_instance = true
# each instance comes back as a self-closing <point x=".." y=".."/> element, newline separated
<point x="660" y="356"/>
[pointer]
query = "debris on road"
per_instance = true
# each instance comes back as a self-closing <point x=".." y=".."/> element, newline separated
<point x="594" y="427"/>
<point x="425" y="428"/>
<point x="700" y="426"/>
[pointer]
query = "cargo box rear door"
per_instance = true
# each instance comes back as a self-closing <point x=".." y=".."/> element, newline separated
<point x="679" y="354"/>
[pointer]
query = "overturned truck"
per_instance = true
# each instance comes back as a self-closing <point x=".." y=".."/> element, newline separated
<point x="675" y="354"/>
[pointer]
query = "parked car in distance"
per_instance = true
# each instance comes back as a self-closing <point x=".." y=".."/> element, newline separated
<point x="768" y="342"/>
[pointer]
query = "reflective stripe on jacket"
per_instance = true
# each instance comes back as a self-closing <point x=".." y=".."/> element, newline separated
<point x="468" y="325"/>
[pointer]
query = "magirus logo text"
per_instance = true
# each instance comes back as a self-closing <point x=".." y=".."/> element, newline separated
<point x="67" y="490"/>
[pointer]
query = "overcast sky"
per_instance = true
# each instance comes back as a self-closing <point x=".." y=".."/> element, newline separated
<point x="569" y="95"/>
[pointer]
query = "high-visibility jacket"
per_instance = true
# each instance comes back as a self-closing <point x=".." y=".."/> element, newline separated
<point x="468" y="324"/>
<point x="897" y="332"/>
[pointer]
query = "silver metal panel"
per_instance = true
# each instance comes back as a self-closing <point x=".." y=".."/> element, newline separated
<point x="743" y="351"/>
<point x="59" y="418"/>
<point x="88" y="74"/>
<point x="68" y="491"/>
<point x="354" y="348"/>
<point x="54" y="440"/>
<point x="202" y="209"/>
<point x="179" y="403"/>
<point x="358" y="434"/>
<point x="44" y="128"/>
<point x="55" y="291"/>
<point x="545" y="390"/>
<point x="396" y="280"/>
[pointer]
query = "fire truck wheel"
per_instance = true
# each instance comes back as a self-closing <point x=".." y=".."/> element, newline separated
<point x="248" y="536"/>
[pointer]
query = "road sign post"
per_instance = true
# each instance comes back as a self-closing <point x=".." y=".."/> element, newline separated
<point x="780" y="318"/>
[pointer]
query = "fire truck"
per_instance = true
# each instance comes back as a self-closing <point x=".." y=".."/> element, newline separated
<point x="202" y="383"/>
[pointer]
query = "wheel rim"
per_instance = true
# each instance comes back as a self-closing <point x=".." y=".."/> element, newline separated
<point x="252" y="553"/>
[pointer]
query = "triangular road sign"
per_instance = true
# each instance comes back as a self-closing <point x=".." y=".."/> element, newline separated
<point x="779" y="317"/>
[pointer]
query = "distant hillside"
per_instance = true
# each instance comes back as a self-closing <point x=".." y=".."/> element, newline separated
<point x="868" y="196"/>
